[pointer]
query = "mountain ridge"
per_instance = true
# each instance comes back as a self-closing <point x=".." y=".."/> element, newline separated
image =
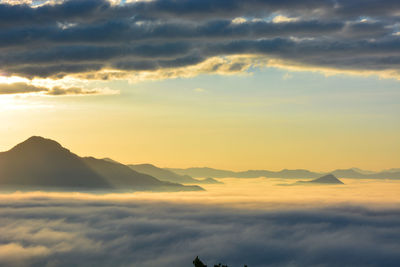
<point x="198" y="172"/>
<point x="170" y="176"/>
<point x="326" y="179"/>
<point x="43" y="163"/>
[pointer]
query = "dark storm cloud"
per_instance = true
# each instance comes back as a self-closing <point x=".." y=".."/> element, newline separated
<point x="98" y="10"/>
<point x="62" y="232"/>
<point x="75" y="10"/>
<point x="129" y="32"/>
<point x="54" y="40"/>
<point x="157" y="64"/>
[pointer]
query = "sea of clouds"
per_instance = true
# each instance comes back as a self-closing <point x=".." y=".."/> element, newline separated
<point x="47" y="230"/>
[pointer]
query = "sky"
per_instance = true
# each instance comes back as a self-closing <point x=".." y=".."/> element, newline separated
<point x="226" y="84"/>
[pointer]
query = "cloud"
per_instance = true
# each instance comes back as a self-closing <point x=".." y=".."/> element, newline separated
<point x="15" y="254"/>
<point x="88" y="38"/>
<point x="229" y="65"/>
<point x="20" y="88"/>
<point x="25" y="88"/>
<point x="56" y="91"/>
<point x="280" y="19"/>
<point x="60" y="231"/>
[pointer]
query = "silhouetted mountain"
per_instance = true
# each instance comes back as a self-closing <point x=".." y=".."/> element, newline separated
<point x="206" y="172"/>
<point x="170" y="176"/>
<point x="162" y="174"/>
<point x="326" y="179"/>
<point x="348" y="173"/>
<point x="210" y="180"/>
<point x="383" y="175"/>
<point x="111" y="160"/>
<point x="392" y="170"/>
<point x="199" y="172"/>
<point x="352" y="173"/>
<point x="43" y="163"/>
<point x="121" y="176"/>
<point x="299" y="173"/>
<point x="363" y="171"/>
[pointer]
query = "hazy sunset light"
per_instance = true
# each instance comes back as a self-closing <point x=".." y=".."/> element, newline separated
<point x="185" y="133"/>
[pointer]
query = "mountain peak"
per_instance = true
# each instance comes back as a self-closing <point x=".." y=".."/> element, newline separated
<point x="38" y="143"/>
<point x="327" y="179"/>
<point x="43" y="163"/>
<point x="37" y="138"/>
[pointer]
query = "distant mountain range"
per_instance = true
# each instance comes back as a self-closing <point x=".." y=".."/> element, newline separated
<point x="393" y="170"/>
<point x="167" y="175"/>
<point x="40" y="163"/>
<point x="299" y="173"/>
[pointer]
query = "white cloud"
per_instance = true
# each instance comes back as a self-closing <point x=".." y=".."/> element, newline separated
<point x="65" y="231"/>
<point x="281" y="19"/>
<point x="239" y="20"/>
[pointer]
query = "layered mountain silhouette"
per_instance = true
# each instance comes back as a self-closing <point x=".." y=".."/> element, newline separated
<point x="209" y="180"/>
<point x="393" y="170"/>
<point x="42" y="163"/>
<point x="207" y="172"/>
<point x="199" y="172"/>
<point x="326" y="179"/>
<point x="167" y="175"/>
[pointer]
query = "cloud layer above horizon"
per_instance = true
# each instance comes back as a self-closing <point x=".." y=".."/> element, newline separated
<point x="164" y="38"/>
<point x="51" y="231"/>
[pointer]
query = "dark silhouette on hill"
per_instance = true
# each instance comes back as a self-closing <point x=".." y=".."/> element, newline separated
<point x="40" y="163"/>
<point x="198" y="263"/>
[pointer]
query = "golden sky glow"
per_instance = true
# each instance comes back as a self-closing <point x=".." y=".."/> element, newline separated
<point x="266" y="120"/>
<point x="185" y="127"/>
<point x="260" y="87"/>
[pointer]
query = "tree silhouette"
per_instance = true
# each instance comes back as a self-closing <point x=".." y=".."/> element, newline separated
<point x="198" y="263"/>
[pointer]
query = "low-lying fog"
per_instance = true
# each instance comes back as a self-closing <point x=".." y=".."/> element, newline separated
<point x="257" y="222"/>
